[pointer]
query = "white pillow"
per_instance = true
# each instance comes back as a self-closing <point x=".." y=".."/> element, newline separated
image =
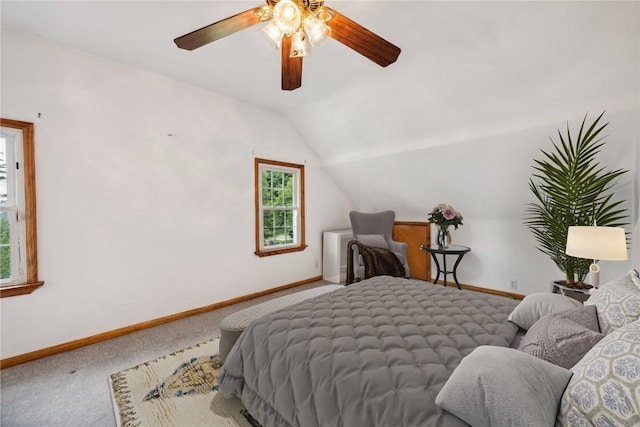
<point x="499" y="386"/>
<point x="534" y="306"/>
<point x="373" y="240"/>
<point x="617" y="302"/>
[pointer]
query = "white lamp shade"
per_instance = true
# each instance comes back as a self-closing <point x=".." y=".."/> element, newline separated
<point x="601" y="243"/>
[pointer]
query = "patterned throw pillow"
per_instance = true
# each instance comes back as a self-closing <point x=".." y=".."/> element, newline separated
<point x="618" y="302"/>
<point x="605" y="386"/>
<point x="635" y="277"/>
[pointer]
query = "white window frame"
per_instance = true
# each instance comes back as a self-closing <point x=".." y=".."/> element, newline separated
<point x="297" y="206"/>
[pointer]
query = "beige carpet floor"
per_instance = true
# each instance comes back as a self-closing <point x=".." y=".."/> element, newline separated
<point x="72" y="389"/>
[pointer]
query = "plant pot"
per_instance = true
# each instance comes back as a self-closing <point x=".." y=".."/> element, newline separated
<point x="574" y="285"/>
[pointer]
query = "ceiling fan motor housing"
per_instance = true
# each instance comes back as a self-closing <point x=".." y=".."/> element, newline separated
<point x="304" y="5"/>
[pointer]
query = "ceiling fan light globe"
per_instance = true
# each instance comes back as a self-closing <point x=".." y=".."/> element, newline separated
<point x="287" y="16"/>
<point x="317" y="31"/>
<point x="299" y="45"/>
<point x="273" y="33"/>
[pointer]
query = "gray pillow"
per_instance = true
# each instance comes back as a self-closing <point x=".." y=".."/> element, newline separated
<point x="534" y="306"/>
<point x="373" y="240"/>
<point x="563" y="338"/>
<point x="635" y="277"/>
<point x="499" y="386"/>
<point x="605" y="386"/>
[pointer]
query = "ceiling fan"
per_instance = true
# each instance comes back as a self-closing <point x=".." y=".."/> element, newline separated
<point x="296" y="26"/>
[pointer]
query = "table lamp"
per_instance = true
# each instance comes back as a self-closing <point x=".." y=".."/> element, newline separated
<point x="596" y="243"/>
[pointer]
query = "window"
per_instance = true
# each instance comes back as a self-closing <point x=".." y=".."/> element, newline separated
<point x="18" y="248"/>
<point x="279" y="190"/>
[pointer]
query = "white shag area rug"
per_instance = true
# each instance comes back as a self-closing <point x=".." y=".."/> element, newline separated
<point x="177" y="390"/>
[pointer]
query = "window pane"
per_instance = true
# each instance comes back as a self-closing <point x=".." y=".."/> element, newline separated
<point x="278" y="228"/>
<point x="277" y="197"/>
<point x="279" y="219"/>
<point x="268" y="221"/>
<point x="291" y="225"/>
<point x="288" y="197"/>
<point x="3" y="171"/>
<point x="277" y="179"/>
<point x="266" y="189"/>
<point x="267" y="197"/>
<point x="5" y="247"/>
<point x="7" y="200"/>
<point x="286" y="226"/>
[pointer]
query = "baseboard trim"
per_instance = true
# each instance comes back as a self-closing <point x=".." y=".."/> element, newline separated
<point x="484" y="290"/>
<point x="75" y="344"/>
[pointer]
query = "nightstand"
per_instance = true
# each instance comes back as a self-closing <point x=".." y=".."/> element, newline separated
<point x="457" y="250"/>
<point x="578" y="294"/>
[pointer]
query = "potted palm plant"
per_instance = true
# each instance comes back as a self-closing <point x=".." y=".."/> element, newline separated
<point x="571" y="188"/>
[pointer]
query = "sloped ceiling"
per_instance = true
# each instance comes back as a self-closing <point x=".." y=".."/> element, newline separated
<point x="466" y="68"/>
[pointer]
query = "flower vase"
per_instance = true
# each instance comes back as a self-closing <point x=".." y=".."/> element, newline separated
<point x="443" y="238"/>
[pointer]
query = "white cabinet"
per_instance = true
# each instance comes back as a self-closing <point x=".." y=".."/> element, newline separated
<point x="334" y="255"/>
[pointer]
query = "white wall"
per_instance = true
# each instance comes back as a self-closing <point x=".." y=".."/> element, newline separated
<point x="487" y="180"/>
<point x="134" y="224"/>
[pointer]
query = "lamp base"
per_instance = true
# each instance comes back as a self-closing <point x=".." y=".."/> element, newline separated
<point x="594" y="275"/>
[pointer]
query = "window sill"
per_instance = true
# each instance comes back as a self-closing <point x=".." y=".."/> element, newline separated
<point x="24" y="289"/>
<point x="280" y="251"/>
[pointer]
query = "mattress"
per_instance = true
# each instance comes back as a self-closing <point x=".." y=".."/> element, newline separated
<point x="375" y="353"/>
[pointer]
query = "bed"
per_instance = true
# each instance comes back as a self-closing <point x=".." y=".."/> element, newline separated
<point x="375" y="353"/>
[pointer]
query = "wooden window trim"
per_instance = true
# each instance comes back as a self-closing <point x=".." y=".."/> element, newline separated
<point x="28" y="169"/>
<point x="302" y="246"/>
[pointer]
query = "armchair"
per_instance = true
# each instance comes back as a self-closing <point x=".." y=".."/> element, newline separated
<point x="375" y="229"/>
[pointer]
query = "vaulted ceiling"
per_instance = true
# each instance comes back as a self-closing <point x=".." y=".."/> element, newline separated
<point x="466" y="68"/>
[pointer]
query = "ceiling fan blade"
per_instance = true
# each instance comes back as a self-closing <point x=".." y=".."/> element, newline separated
<point x="291" y="67"/>
<point x="218" y="30"/>
<point x="361" y="40"/>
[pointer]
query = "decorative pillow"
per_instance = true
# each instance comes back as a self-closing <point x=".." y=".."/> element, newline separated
<point x="617" y="301"/>
<point x="635" y="278"/>
<point x="605" y="387"/>
<point x="534" y="306"/>
<point x="499" y="386"/>
<point x="373" y="240"/>
<point x="563" y="338"/>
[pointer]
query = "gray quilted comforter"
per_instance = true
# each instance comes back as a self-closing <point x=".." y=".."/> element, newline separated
<point x="375" y="353"/>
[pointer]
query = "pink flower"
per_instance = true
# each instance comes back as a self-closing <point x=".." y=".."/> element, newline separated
<point x="444" y="215"/>
<point x="449" y="213"/>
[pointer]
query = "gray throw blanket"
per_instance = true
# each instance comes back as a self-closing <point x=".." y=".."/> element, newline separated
<point x="377" y="262"/>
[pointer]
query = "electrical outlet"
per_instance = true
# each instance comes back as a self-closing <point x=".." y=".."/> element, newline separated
<point x="513" y="284"/>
